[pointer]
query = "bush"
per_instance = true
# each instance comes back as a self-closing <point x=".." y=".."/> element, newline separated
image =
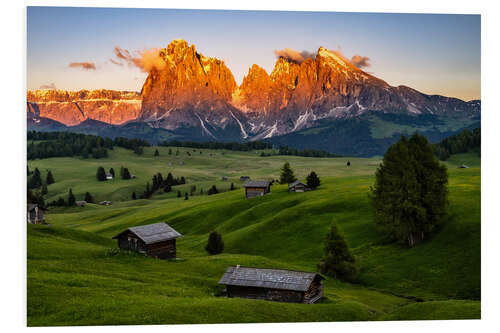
<point x="215" y="244"/>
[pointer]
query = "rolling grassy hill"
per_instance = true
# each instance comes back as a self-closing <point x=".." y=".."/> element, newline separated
<point x="77" y="277"/>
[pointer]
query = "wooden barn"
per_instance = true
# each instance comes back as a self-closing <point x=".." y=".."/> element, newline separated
<point x="298" y="186"/>
<point x="256" y="188"/>
<point x="35" y="214"/>
<point x="273" y="284"/>
<point x="156" y="240"/>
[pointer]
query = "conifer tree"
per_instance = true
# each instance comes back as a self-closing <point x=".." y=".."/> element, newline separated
<point x="337" y="261"/>
<point x="157" y="153"/>
<point x="126" y="174"/>
<point x="50" y="178"/>
<point x="186" y="197"/>
<point x="112" y="172"/>
<point x="215" y="244"/>
<point x="170" y="151"/>
<point x="44" y="189"/>
<point x="287" y="176"/>
<point x="179" y="194"/>
<point x="88" y="197"/>
<point x="232" y="187"/>
<point x="313" y="180"/>
<point x="410" y="192"/>
<point x="35" y="180"/>
<point x="71" y="198"/>
<point x="133" y="196"/>
<point x="101" y="174"/>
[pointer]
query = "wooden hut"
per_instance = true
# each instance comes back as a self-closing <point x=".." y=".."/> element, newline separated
<point x="155" y="240"/>
<point x="81" y="203"/>
<point x="35" y="214"/>
<point x="298" y="186"/>
<point x="256" y="188"/>
<point x="273" y="284"/>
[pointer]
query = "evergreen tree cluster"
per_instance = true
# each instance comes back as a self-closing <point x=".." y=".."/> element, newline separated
<point x="463" y="142"/>
<point x="158" y="183"/>
<point x="67" y="144"/>
<point x="233" y="146"/>
<point x="410" y="191"/>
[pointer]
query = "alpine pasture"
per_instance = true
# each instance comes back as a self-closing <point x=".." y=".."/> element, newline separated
<point x="76" y="275"/>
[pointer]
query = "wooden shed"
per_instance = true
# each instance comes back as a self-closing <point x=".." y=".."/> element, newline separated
<point x="273" y="284"/>
<point x="298" y="186"/>
<point x="35" y="214"/>
<point x="256" y="188"/>
<point x="156" y="240"/>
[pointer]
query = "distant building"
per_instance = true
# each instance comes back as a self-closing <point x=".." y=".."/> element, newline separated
<point x="256" y="188"/>
<point x="109" y="176"/>
<point x="273" y="284"/>
<point x="35" y="214"/>
<point x="81" y="203"/>
<point x="105" y="203"/>
<point x="298" y="186"/>
<point x="463" y="166"/>
<point x="133" y="177"/>
<point x="244" y="178"/>
<point x="156" y="240"/>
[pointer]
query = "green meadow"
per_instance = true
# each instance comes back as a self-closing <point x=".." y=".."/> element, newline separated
<point x="76" y="275"/>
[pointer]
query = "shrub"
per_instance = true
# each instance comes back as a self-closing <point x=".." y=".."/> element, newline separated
<point x="215" y="244"/>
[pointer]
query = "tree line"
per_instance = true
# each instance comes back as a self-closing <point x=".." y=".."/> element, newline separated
<point x="67" y="144"/>
<point x="463" y="142"/>
<point x="236" y="146"/>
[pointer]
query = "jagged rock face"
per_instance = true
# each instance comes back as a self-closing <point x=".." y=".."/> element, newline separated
<point x="198" y="95"/>
<point x="189" y="81"/>
<point x="72" y="108"/>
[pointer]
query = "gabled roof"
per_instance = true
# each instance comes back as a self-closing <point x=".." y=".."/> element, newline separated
<point x="256" y="183"/>
<point x="153" y="233"/>
<point x="295" y="183"/>
<point x="268" y="278"/>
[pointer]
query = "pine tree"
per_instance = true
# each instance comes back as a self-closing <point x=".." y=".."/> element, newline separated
<point x="112" y="172"/>
<point x="287" y="176"/>
<point x="212" y="190"/>
<point x="44" y="189"/>
<point x="170" y="179"/>
<point x="101" y="174"/>
<point x="215" y="244"/>
<point x="409" y="196"/>
<point x="313" y="180"/>
<point x="50" y="178"/>
<point x="35" y="180"/>
<point x="29" y="172"/>
<point x="121" y="172"/>
<point x="88" y="197"/>
<point x="71" y="198"/>
<point x="186" y="197"/>
<point x="167" y="188"/>
<point x="179" y="194"/>
<point x="170" y="151"/>
<point x="157" y="153"/>
<point x="133" y="196"/>
<point x="183" y="180"/>
<point x="232" y="187"/>
<point x="126" y="174"/>
<point x="337" y="259"/>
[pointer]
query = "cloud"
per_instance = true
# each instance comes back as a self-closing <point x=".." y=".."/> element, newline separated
<point x="89" y="66"/>
<point x="51" y="86"/>
<point x="360" y="61"/>
<point x="145" y="60"/>
<point x="115" y="62"/>
<point x="293" y="55"/>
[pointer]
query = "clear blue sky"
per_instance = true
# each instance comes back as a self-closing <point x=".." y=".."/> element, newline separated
<point x="436" y="54"/>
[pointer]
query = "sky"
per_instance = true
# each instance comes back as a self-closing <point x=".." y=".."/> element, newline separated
<point x="72" y="48"/>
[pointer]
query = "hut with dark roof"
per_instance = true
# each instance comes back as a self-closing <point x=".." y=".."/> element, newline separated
<point x="256" y="188"/>
<point x="156" y="240"/>
<point x="298" y="186"/>
<point x="35" y="214"/>
<point x="273" y="284"/>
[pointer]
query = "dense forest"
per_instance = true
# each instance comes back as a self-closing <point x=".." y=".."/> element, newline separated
<point x="67" y="144"/>
<point x="248" y="146"/>
<point x="463" y="142"/>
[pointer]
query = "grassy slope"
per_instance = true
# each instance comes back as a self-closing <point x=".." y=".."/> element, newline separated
<point x="73" y="278"/>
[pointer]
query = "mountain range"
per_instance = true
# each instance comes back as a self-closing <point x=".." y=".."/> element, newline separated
<point x="323" y="102"/>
